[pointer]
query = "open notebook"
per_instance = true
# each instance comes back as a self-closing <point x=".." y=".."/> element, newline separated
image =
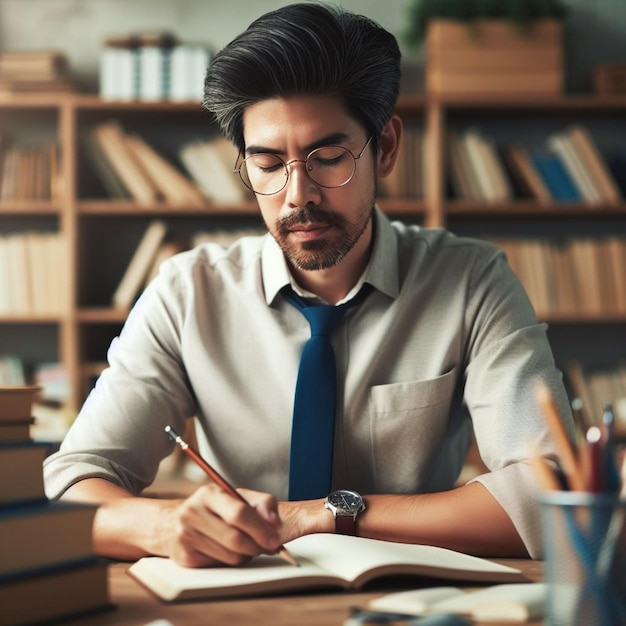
<point x="325" y="561"/>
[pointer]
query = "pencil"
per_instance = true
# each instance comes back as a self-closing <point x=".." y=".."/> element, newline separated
<point x="216" y="477"/>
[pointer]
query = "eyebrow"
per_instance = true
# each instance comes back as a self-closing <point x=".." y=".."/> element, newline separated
<point x="329" y="140"/>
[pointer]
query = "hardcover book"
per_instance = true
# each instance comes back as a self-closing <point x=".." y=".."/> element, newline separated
<point x="21" y="473"/>
<point x="39" y="536"/>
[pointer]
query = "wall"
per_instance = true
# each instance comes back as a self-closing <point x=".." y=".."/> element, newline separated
<point x="597" y="28"/>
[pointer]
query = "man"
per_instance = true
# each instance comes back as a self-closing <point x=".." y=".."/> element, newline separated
<point x="438" y="337"/>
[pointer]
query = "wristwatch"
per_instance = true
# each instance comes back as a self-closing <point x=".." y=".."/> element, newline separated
<point x="345" y="505"/>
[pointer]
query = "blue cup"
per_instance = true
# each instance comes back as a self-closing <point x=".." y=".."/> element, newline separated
<point x="584" y="538"/>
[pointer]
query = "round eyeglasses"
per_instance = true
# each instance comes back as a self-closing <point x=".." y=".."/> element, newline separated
<point x="329" y="166"/>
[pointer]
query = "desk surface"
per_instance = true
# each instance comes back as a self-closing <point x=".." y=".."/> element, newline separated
<point x="135" y="606"/>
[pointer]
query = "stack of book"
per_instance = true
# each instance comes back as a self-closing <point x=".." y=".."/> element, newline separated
<point x="48" y="571"/>
<point x="35" y="71"/>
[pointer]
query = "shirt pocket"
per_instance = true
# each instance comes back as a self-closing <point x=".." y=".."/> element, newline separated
<point x="407" y="422"/>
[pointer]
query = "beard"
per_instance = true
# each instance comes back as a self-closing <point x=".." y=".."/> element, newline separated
<point x="328" y="250"/>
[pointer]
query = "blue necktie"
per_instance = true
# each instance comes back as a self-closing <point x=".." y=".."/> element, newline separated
<point x="313" y="426"/>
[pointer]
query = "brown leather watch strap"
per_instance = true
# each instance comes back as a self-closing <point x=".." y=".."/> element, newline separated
<point x="345" y="525"/>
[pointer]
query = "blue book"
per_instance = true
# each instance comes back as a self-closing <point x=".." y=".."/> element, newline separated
<point x="555" y="176"/>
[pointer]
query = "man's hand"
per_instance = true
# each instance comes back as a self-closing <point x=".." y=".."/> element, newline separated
<point x="209" y="527"/>
<point x="212" y="527"/>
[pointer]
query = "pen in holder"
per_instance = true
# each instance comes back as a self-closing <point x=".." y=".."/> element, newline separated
<point x="585" y="558"/>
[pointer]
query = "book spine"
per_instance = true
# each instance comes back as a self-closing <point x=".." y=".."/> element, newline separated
<point x="555" y="177"/>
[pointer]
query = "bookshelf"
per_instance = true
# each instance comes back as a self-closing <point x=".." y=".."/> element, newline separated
<point x="101" y="233"/>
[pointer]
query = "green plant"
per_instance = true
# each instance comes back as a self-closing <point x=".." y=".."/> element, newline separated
<point x="519" y="12"/>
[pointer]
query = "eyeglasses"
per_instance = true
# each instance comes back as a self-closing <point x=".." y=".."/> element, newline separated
<point x="329" y="166"/>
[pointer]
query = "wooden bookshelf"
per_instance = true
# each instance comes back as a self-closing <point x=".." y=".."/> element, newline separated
<point x="101" y="232"/>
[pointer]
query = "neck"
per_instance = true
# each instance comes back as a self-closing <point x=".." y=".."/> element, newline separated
<point x="334" y="283"/>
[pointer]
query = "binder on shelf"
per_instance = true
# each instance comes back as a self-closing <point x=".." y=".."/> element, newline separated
<point x="118" y="68"/>
<point x="188" y="65"/>
<point x="153" y="65"/>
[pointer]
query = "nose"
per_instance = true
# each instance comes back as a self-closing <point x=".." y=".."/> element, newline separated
<point x="301" y="189"/>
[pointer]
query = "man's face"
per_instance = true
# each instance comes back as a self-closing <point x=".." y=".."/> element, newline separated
<point x="316" y="227"/>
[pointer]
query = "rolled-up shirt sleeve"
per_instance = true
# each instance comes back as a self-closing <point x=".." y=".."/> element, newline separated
<point x="508" y="354"/>
<point x="119" y="433"/>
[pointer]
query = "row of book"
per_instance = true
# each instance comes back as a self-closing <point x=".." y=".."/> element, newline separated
<point x="570" y="168"/>
<point x="32" y="267"/>
<point x="573" y="277"/>
<point x="48" y="571"/>
<point x="154" y="248"/>
<point x="129" y="167"/>
<point x="35" y="71"/>
<point x="595" y="387"/>
<point x="29" y="172"/>
<point x="33" y="273"/>
<point x="152" y="66"/>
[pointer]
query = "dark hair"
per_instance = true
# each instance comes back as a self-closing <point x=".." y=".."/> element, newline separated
<point x="306" y="49"/>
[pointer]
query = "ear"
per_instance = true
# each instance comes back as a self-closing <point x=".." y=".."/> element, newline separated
<point x="389" y="146"/>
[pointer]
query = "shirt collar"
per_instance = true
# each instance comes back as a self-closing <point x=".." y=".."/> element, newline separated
<point x="382" y="271"/>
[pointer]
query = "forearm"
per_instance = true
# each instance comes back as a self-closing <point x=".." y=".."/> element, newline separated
<point x="209" y="527"/>
<point x="125" y="527"/>
<point x="467" y="519"/>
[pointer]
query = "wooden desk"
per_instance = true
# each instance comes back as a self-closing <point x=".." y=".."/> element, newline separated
<point x="135" y="606"/>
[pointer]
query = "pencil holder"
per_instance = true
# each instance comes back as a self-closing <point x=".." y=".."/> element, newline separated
<point x="584" y="538"/>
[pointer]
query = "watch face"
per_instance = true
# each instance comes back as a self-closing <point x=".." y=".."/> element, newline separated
<point x="346" y="501"/>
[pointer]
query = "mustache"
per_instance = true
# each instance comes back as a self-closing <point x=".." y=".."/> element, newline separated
<point x="308" y="215"/>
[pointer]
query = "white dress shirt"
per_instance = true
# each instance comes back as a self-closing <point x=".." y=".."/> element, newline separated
<point x="446" y="341"/>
